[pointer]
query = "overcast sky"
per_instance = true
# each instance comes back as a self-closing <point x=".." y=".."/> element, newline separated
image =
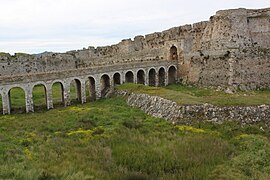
<point x="35" y="26"/>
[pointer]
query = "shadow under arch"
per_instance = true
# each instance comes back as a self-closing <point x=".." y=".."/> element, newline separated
<point x="141" y="77"/>
<point x="161" y="77"/>
<point x="129" y="77"/>
<point x="39" y="94"/>
<point x="58" y="93"/>
<point x="90" y="87"/>
<point x="172" y="75"/>
<point x="116" y="79"/>
<point x="104" y="85"/>
<point x="152" y="77"/>
<point x="16" y="98"/>
<point x="75" y="91"/>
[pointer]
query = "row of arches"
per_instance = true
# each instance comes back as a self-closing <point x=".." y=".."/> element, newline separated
<point x="59" y="93"/>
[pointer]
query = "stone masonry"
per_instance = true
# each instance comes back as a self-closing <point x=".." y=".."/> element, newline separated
<point x="171" y="111"/>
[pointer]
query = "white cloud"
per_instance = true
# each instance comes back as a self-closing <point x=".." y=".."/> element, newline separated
<point x="61" y="25"/>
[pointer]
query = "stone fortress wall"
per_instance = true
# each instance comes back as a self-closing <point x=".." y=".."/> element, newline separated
<point x="231" y="50"/>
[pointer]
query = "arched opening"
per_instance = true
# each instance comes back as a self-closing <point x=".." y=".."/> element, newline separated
<point x="75" y="91"/>
<point x="90" y="85"/>
<point x="152" y="77"/>
<point x="17" y="102"/>
<point x="1" y="104"/>
<point x="39" y="97"/>
<point x="161" y="77"/>
<point x="141" y="77"/>
<point x="105" y="85"/>
<point x="173" y="53"/>
<point x="58" y="94"/>
<point x="172" y="75"/>
<point x="129" y="77"/>
<point x="116" y="79"/>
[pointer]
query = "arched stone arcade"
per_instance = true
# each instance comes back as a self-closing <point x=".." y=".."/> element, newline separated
<point x="58" y="92"/>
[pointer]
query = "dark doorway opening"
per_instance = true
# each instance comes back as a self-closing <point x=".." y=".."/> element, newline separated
<point x="172" y="75"/>
<point x="129" y="77"/>
<point x="173" y="53"/>
<point x="161" y="77"/>
<point x="152" y="77"/>
<point x="141" y="77"/>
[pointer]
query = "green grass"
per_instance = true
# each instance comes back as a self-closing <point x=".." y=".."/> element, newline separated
<point x="106" y="139"/>
<point x="3" y="54"/>
<point x="17" y="98"/>
<point x="185" y="95"/>
<point x="18" y="54"/>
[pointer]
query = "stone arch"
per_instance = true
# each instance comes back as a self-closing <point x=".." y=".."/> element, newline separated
<point x="58" y="98"/>
<point x="116" y="79"/>
<point x="172" y="75"/>
<point x="75" y="85"/>
<point x="173" y="53"/>
<point x="141" y="77"/>
<point x="104" y="84"/>
<point x="129" y="77"/>
<point x="152" y="77"/>
<point x="17" y="99"/>
<point x="90" y="84"/>
<point x="161" y="76"/>
<point x="39" y="93"/>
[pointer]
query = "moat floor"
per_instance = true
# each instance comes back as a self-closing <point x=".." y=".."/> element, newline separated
<point x="107" y="139"/>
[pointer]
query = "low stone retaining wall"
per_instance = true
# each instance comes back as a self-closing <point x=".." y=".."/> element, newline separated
<point x="169" y="110"/>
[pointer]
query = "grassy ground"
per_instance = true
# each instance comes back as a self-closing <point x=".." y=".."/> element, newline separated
<point x="108" y="140"/>
<point x="191" y="95"/>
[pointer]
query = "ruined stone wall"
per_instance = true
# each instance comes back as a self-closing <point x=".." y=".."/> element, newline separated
<point x="169" y="110"/>
<point x="233" y="51"/>
<point x="225" y="51"/>
<point x="206" y="69"/>
<point x="251" y="69"/>
<point x="151" y="47"/>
